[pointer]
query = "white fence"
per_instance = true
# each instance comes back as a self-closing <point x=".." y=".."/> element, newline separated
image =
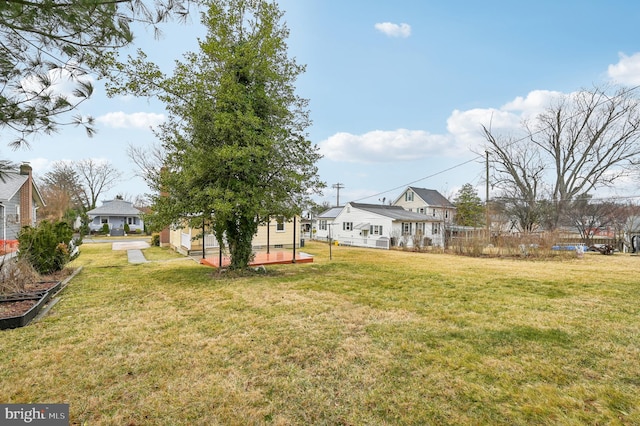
<point x="185" y="240"/>
<point x="381" y="243"/>
<point x="210" y="241"/>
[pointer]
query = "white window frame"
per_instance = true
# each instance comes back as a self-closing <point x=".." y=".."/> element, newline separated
<point x="280" y="224"/>
<point x="347" y="226"/>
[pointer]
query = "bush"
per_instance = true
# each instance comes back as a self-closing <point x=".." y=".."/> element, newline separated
<point x="155" y="240"/>
<point x="47" y="247"/>
<point x="105" y="228"/>
<point x="126" y="228"/>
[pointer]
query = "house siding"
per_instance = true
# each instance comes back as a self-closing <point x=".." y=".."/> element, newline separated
<point x="182" y="239"/>
<point x="11" y="225"/>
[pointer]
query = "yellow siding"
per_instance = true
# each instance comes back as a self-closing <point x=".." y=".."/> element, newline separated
<point x="276" y="238"/>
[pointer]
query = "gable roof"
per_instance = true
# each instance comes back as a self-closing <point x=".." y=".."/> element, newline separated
<point x="12" y="183"/>
<point x="392" y="212"/>
<point x="332" y="213"/>
<point x="115" y="208"/>
<point x="431" y="197"/>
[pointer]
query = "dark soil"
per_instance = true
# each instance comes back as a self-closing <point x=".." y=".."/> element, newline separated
<point x="15" y="308"/>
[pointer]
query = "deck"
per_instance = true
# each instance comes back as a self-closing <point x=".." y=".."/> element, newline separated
<point x="263" y="258"/>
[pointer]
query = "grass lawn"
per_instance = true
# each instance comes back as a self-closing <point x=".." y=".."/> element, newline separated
<point x="370" y="337"/>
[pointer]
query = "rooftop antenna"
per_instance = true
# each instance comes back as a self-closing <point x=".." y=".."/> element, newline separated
<point x="337" y="186"/>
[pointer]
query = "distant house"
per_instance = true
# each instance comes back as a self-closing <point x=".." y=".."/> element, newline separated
<point x="323" y="223"/>
<point x="115" y="213"/>
<point x="428" y="202"/>
<point x="383" y="226"/>
<point x="432" y="204"/>
<point x="277" y="234"/>
<point x="19" y="202"/>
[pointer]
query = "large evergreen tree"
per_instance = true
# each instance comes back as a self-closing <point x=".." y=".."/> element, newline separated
<point x="236" y="142"/>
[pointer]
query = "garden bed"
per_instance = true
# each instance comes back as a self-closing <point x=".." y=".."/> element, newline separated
<point x="18" y="309"/>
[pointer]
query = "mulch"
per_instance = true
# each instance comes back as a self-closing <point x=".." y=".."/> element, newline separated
<point x="11" y="305"/>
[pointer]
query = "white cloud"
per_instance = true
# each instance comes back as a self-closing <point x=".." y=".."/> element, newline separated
<point x="464" y="133"/>
<point x="382" y="146"/>
<point x="139" y="120"/>
<point x="627" y="70"/>
<point x="534" y="103"/>
<point x="62" y="81"/>
<point x="394" y="30"/>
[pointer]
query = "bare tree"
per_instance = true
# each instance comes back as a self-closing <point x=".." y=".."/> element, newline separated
<point x="590" y="218"/>
<point x="519" y="173"/>
<point x="149" y="160"/>
<point x="585" y="141"/>
<point x="96" y="177"/>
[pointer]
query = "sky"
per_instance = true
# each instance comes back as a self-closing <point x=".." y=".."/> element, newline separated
<point x="398" y="90"/>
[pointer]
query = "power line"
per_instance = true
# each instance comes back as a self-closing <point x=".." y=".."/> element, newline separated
<point x="478" y="156"/>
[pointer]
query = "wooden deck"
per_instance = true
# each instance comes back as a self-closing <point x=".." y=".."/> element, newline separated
<point x="263" y="258"/>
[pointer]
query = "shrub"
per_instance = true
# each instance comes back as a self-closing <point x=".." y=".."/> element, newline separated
<point x="47" y="247"/>
<point x="126" y="228"/>
<point x="105" y="228"/>
<point x="155" y="240"/>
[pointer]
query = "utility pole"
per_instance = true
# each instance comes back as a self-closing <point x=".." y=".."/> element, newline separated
<point x="337" y="186"/>
<point x="486" y="203"/>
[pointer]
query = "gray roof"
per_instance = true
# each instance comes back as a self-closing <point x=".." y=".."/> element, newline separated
<point x="432" y="197"/>
<point x="332" y="213"/>
<point x="115" y="208"/>
<point x="393" y="212"/>
<point x="11" y="185"/>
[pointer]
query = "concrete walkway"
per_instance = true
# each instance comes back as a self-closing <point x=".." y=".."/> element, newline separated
<point x="136" y="256"/>
<point x="134" y="250"/>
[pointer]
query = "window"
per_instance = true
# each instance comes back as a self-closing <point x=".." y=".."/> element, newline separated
<point x="375" y="229"/>
<point x="406" y="228"/>
<point x="323" y="225"/>
<point x="132" y="220"/>
<point x="408" y="196"/>
<point x="104" y="219"/>
<point x="420" y="228"/>
<point x="365" y="233"/>
<point x="280" y="224"/>
<point x="347" y="226"/>
<point x="422" y="210"/>
<point x="435" y="228"/>
<point x="17" y="213"/>
<point x="434" y="212"/>
<point x="446" y="214"/>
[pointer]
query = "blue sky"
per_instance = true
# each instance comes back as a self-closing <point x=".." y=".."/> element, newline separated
<point x="398" y="89"/>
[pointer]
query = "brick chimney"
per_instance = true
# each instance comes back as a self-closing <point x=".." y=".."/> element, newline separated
<point x="26" y="196"/>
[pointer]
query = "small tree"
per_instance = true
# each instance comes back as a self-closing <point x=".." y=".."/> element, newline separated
<point x="469" y="208"/>
<point x="46" y="247"/>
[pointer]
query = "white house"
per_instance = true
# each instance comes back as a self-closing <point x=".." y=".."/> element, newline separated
<point x="432" y="204"/>
<point x="116" y="213"/>
<point x="384" y="226"/>
<point x="324" y="222"/>
<point x="428" y="202"/>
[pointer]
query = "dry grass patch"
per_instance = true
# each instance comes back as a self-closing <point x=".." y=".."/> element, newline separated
<point x="370" y="337"/>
